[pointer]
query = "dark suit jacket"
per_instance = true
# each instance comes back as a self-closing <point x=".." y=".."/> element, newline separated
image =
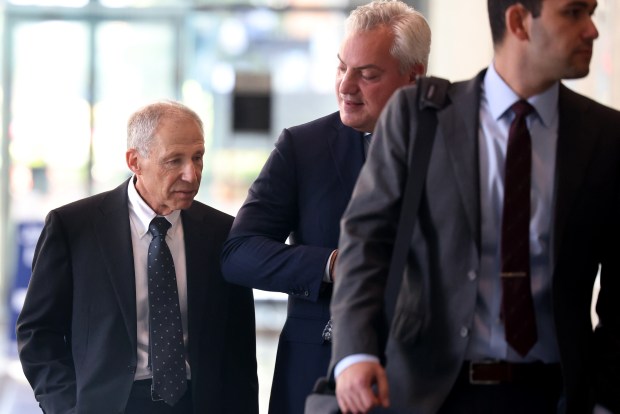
<point x="435" y="308"/>
<point x="300" y="194"/>
<point x="77" y="330"/>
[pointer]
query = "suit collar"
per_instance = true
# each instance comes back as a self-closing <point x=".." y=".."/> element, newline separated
<point x="346" y="146"/>
<point x="207" y="294"/>
<point x="458" y="124"/>
<point x="577" y="138"/>
<point x="202" y="258"/>
<point x="501" y="97"/>
<point x="141" y="214"/>
<point x="114" y="237"/>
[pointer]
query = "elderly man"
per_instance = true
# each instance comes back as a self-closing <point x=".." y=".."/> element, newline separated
<point x="127" y="311"/>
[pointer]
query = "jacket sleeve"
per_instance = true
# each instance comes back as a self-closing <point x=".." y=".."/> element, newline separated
<point x="44" y="324"/>
<point x="256" y="253"/>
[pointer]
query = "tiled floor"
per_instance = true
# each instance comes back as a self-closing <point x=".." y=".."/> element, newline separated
<point x="16" y="395"/>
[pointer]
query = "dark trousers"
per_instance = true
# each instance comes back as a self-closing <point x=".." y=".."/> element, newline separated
<point x="540" y="395"/>
<point x="140" y="401"/>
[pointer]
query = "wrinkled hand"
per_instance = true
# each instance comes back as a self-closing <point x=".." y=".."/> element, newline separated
<point x="354" y="387"/>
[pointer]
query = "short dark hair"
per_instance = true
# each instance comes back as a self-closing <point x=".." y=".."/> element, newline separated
<point x="497" y="13"/>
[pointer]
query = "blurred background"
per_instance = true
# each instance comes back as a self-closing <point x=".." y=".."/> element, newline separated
<point x="73" y="70"/>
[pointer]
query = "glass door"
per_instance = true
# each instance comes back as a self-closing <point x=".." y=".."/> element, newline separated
<point x="71" y="85"/>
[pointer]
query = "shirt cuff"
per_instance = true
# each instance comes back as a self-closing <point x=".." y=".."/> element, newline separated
<point x="327" y="277"/>
<point x="346" y="362"/>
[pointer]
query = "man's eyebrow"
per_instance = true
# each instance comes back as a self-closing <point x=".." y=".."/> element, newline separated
<point x="369" y="66"/>
<point x="582" y="4"/>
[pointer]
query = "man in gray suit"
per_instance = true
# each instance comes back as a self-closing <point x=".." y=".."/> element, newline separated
<point x="447" y="351"/>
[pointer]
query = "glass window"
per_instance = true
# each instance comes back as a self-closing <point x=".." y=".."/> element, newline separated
<point x="134" y="64"/>
<point x="277" y="64"/>
<point x="49" y="129"/>
<point x="50" y="3"/>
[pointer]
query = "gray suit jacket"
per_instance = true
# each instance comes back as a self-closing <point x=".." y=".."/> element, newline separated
<point x="435" y="308"/>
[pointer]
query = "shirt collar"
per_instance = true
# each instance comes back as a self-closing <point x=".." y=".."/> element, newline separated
<point x="501" y="97"/>
<point x="144" y="214"/>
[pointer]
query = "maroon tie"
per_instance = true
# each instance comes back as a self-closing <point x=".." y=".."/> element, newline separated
<point x="517" y="303"/>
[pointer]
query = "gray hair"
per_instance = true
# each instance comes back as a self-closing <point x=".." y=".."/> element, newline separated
<point x="144" y="123"/>
<point x="412" y="34"/>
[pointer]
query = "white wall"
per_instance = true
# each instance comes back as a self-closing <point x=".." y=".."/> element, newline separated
<point x="461" y="39"/>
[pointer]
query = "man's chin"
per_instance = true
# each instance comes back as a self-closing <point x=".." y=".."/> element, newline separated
<point x="353" y="122"/>
<point x="578" y="71"/>
<point x="582" y="73"/>
<point x="184" y="202"/>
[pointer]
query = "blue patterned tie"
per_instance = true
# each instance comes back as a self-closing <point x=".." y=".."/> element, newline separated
<point x="166" y="330"/>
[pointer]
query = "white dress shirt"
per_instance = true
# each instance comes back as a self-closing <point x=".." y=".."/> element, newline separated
<point x="140" y="216"/>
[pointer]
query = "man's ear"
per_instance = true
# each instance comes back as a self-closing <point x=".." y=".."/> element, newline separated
<point x="133" y="160"/>
<point x="517" y="21"/>
<point x="417" y="70"/>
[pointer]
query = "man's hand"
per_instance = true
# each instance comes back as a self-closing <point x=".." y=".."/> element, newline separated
<point x="354" y="387"/>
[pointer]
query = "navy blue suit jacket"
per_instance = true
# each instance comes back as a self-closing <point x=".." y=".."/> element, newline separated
<point x="299" y="195"/>
<point x="77" y="330"/>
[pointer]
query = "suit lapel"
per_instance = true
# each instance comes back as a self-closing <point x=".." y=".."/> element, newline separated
<point x="204" y="297"/>
<point x="458" y="124"/>
<point x="195" y="256"/>
<point x="114" y="237"/>
<point x="573" y="155"/>
<point x="347" y="149"/>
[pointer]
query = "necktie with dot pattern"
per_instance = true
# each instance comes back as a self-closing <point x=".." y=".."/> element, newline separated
<point x="166" y="329"/>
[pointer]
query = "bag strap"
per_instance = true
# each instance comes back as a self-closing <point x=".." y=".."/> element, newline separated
<point x="431" y="95"/>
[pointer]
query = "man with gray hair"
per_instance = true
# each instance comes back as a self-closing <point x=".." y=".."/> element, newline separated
<point x="89" y="334"/>
<point x="306" y="184"/>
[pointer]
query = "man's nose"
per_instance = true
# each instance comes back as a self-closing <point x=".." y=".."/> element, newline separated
<point x="348" y="83"/>
<point x="191" y="172"/>
<point x="591" y="32"/>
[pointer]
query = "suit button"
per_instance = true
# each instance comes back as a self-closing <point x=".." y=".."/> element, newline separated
<point x="132" y="369"/>
<point x="306" y="293"/>
<point x="471" y="275"/>
<point x="464" y="332"/>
